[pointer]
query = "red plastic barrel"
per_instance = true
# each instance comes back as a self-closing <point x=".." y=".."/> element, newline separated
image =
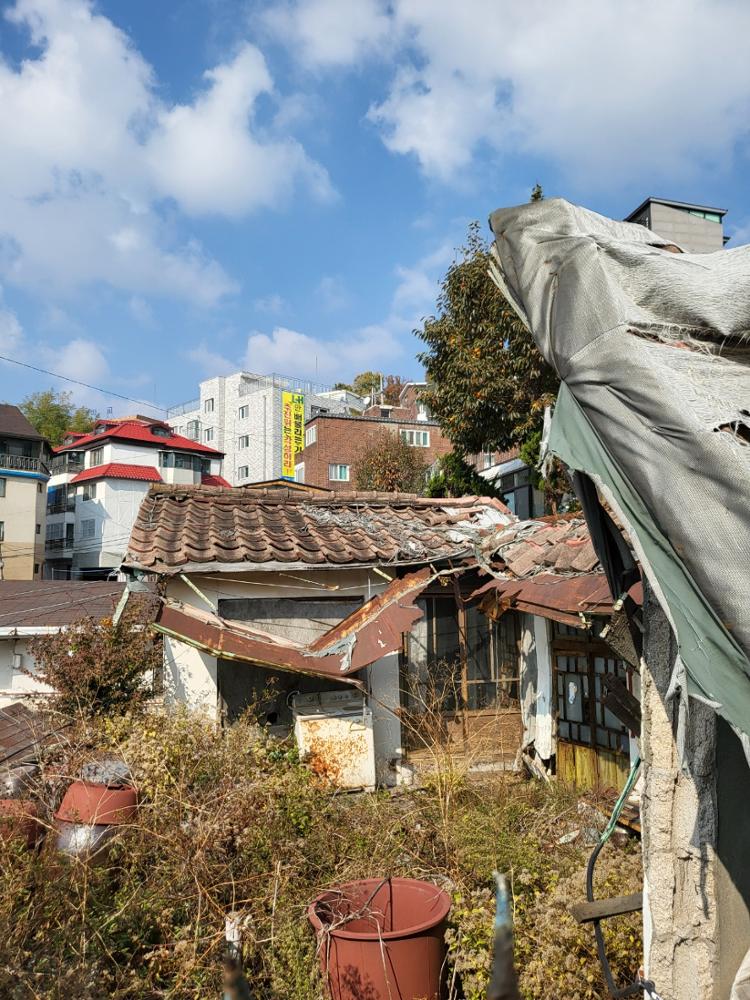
<point x="382" y="939"/>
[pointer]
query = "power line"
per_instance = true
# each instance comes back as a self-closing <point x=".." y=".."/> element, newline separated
<point x="86" y="385"/>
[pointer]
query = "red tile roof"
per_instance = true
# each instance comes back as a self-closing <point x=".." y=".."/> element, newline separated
<point x="203" y="527"/>
<point x="141" y="431"/>
<point x="208" y="479"/>
<point x="119" y="470"/>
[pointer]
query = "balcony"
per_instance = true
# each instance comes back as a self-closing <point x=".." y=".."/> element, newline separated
<point x="62" y="507"/>
<point x="66" y="463"/>
<point x="58" y="545"/>
<point x="22" y="463"/>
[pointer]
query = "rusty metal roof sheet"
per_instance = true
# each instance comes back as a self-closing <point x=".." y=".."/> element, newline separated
<point x="367" y="634"/>
<point x="193" y="529"/>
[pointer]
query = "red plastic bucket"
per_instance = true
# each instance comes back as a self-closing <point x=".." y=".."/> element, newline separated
<point x="382" y="939"/>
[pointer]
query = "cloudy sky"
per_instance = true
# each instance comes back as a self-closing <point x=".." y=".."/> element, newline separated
<point x="191" y="186"/>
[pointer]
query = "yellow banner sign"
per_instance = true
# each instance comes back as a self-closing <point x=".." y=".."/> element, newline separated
<point x="292" y="431"/>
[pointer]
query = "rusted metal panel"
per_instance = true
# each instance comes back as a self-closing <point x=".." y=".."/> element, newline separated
<point x="366" y="635"/>
<point x="562" y="598"/>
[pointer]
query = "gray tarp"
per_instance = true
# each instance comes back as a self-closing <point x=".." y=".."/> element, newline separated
<point x="653" y="352"/>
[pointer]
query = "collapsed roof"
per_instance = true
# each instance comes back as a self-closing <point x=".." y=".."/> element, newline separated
<point x="197" y="529"/>
<point x="653" y="353"/>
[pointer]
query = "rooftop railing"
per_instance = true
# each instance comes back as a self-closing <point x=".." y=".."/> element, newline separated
<point x="181" y="408"/>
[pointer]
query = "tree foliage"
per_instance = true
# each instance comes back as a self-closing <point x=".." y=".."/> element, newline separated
<point x="488" y="383"/>
<point x="53" y="413"/>
<point x="366" y="383"/>
<point x="389" y="464"/>
<point x="456" y="478"/>
<point x="96" y="667"/>
<point x="392" y="387"/>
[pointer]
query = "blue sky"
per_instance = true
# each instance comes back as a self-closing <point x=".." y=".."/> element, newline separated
<point x="192" y="186"/>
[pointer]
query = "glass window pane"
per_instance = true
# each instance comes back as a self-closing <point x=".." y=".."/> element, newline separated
<point x="564" y="730"/>
<point x="585" y="734"/>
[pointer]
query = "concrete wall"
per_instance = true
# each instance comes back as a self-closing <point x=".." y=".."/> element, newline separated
<point x="14" y="684"/>
<point x="23" y="507"/>
<point x="695" y="814"/>
<point x="693" y="234"/>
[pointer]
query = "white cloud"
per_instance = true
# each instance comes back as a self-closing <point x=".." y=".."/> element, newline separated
<point x="80" y="359"/>
<point x="332" y="292"/>
<point x="330" y="33"/>
<point x="609" y="90"/>
<point x="11" y="333"/>
<point x="290" y="352"/>
<point x="205" y="157"/>
<point x="271" y="304"/>
<point x="211" y="362"/>
<point x="141" y="311"/>
<point x="90" y="152"/>
<point x="417" y="289"/>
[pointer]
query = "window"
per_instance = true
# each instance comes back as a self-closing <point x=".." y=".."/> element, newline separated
<point x="208" y="434"/>
<point x="96" y="457"/>
<point x="487" y="459"/>
<point x="38" y="529"/>
<point x="243" y="441"/>
<point x="299" y="473"/>
<point x="417" y="439"/>
<point x="163" y="432"/>
<point x="2" y="531"/>
<point x="36" y="569"/>
<point x="243" y="472"/>
<point x="39" y="487"/>
<point x="88" y="528"/>
<point x="193" y="429"/>
<point x="208" y="405"/>
<point x="581" y="663"/>
<point x="338" y="473"/>
<point x="3" y="484"/>
<point x="311" y="435"/>
<point x="422" y="412"/>
<point x="89" y="491"/>
<point x="54" y="531"/>
<point x="242" y="413"/>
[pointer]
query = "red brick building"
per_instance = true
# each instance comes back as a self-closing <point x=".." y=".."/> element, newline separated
<point x="333" y="442"/>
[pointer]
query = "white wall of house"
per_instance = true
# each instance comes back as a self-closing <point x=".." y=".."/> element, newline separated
<point x="249" y="406"/>
<point x="113" y="511"/>
<point x="190" y="676"/>
<point x="14" y="654"/>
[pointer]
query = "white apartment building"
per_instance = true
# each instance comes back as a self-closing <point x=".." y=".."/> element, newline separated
<point x="242" y="415"/>
<point x="98" y="482"/>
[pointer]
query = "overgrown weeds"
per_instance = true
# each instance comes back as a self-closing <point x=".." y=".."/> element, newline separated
<point x="236" y="822"/>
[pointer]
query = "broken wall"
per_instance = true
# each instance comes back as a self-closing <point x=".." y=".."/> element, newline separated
<point x="696" y="901"/>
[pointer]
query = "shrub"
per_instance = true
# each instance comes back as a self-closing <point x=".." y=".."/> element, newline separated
<point x="97" y="667"/>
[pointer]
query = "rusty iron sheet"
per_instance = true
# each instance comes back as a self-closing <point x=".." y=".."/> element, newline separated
<point x="561" y="598"/>
<point x="364" y="636"/>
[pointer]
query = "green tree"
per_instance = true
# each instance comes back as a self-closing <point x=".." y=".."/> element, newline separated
<point x="343" y="385"/>
<point x="53" y="413"/>
<point x="454" y="477"/>
<point x="389" y="464"/>
<point x="488" y="384"/>
<point x="367" y="383"/>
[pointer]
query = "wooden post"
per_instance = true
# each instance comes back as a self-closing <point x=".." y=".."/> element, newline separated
<point x="463" y="648"/>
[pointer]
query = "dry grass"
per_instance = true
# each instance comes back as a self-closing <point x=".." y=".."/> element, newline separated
<point x="234" y="822"/>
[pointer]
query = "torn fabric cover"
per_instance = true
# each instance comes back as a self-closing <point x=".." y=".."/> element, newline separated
<point x="653" y="353"/>
<point x="364" y="636"/>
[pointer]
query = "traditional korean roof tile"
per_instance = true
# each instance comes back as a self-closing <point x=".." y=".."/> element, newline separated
<point x="198" y="528"/>
<point x="119" y="470"/>
<point x="555" y="544"/>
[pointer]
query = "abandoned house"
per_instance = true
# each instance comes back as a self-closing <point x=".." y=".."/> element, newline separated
<point x="376" y="608"/>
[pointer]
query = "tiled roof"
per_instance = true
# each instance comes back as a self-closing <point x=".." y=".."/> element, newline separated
<point x="555" y="544"/>
<point x="14" y="423"/>
<point x="24" y="603"/>
<point x="207" y="479"/>
<point x="200" y="528"/>
<point x="119" y="470"/>
<point x="141" y="431"/>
